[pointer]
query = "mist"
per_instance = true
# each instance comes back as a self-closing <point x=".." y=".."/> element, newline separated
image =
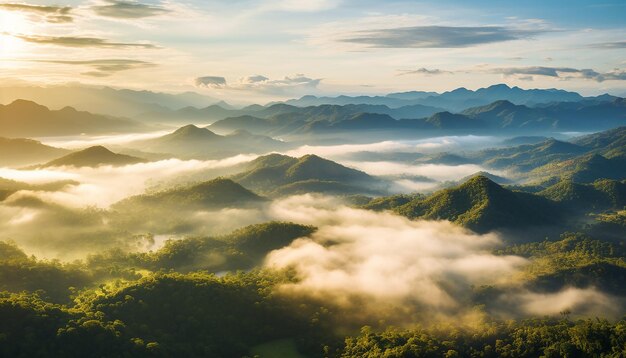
<point x="383" y="266"/>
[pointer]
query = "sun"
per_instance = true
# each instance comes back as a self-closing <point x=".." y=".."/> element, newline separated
<point x="11" y="23"/>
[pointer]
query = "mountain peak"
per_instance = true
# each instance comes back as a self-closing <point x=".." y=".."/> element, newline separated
<point x="191" y="130"/>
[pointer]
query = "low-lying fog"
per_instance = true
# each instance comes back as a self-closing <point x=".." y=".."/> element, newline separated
<point x="356" y="256"/>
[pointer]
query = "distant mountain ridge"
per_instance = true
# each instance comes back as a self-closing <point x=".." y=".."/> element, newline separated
<point x="501" y="116"/>
<point x="22" y="118"/>
<point x="191" y="141"/>
<point x="455" y="100"/>
<point x="106" y="100"/>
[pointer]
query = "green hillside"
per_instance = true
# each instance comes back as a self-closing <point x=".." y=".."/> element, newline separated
<point x="482" y="205"/>
<point x="280" y="175"/>
<point x="217" y="193"/>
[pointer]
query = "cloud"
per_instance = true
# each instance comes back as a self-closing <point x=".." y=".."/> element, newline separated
<point x="438" y="36"/>
<point x="71" y="41"/>
<point x="210" y="81"/>
<point x="385" y="259"/>
<point x="439" y="172"/>
<point x="52" y="14"/>
<point x="254" y="79"/>
<point x="128" y="9"/>
<point x="565" y="73"/>
<point x="589" y="302"/>
<point x="610" y="45"/>
<point x="260" y="83"/>
<point x="425" y="71"/>
<point x="104" y="67"/>
<point x="105" y="185"/>
<point x="302" y="5"/>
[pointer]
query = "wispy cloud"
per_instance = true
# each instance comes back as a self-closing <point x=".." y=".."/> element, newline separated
<point x="210" y="81"/>
<point x="565" y="73"/>
<point x="53" y="14"/>
<point x="128" y="9"/>
<point x="71" y="41"/>
<point x="260" y="83"/>
<point x="438" y="36"/>
<point x="424" y="71"/>
<point x="105" y="67"/>
<point x="610" y="45"/>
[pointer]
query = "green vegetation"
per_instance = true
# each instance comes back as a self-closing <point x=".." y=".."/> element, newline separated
<point x="528" y="338"/>
<point x="216" y="193"/>
<point x="279" y="175"/>
<point x="482" y="205"/>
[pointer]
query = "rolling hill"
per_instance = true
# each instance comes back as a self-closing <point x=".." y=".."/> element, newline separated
<point x="277" y="174"/>
<point x="214" y="194"/>
<point x="600" y="195"/>
<point x="482" y="205"/>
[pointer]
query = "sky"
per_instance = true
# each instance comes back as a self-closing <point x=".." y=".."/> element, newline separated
<point x="261" y="50"/>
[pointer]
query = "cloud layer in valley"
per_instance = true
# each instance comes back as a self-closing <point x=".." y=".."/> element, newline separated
<point x="383" y="264"/>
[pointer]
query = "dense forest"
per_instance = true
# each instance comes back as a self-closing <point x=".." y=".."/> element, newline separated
<point x="190" y="243"/>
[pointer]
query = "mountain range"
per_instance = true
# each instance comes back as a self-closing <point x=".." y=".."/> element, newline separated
<point x="497" y="117"/>
<point x="455" y="100"/>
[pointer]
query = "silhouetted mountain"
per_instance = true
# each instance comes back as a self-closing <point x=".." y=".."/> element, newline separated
<point x="194" y="142"/>
<point x="214" y="194"/>
<point x="280" y="174"/>
<point x="24" y="118"/>
<point x="284" y="119"/>
<point x="461" y="98"/>
<point x="482" y="205"/>
<point x="117" y="102"/>
<point x="21" y="152"/>
<point x="93" y="157"/>
<point x="455" y="100"/>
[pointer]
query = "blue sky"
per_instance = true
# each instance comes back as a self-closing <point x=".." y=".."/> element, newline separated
<point x="258" y="50"/>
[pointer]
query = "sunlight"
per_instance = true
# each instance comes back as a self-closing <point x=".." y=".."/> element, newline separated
<point x="11" y="23"/>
